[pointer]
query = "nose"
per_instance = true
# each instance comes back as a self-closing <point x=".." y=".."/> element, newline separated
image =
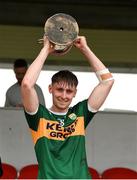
<point x="64" y="95"/>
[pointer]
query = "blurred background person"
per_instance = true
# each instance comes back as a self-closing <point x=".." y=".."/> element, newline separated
<point x="13" y="94"/>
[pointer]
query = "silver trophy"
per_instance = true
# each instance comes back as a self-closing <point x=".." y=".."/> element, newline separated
<point x="61" y="30"/>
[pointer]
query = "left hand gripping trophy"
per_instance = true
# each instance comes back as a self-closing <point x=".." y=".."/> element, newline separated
<point x="61" y="30"/>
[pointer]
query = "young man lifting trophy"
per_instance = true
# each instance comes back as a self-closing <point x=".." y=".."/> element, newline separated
<point x="58" y="132"/>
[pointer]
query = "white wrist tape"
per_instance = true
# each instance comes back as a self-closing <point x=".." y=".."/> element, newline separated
<point x="104" y="75"/>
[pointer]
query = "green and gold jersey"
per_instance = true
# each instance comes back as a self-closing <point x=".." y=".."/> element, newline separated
<point x="60" y="142"/>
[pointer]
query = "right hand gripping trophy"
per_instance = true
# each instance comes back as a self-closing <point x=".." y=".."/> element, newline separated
<point x="61" y="30"/>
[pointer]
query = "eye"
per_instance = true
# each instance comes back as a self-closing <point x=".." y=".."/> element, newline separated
<point x="69" y="91"/>
<point x="60" y="89"/>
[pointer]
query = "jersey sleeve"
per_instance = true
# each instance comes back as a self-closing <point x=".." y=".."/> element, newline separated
<point x="33" y="119"/>
<point x="82" y="110"/>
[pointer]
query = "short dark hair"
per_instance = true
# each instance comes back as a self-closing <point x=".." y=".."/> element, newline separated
<point x="65" y="76"/>
<point x="20" y="63"/>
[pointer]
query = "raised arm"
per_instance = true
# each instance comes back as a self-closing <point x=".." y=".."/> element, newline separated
<point x="101" y="91"/>
<point x="28" y="92"/>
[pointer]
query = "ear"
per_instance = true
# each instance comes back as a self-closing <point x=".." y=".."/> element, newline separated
<point x="50" y="88"/>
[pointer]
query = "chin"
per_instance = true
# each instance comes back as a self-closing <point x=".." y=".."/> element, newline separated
<point x="63" y="108"/>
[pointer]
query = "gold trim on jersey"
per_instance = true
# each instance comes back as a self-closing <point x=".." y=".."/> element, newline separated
<point x="53" y="130"/>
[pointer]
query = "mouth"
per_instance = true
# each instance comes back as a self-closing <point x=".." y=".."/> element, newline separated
<point x="63" y="102"/>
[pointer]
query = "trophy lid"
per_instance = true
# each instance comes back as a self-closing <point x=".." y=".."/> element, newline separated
<point x="61" y="29"/>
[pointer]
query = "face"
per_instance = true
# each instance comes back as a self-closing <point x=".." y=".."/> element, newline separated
<point x="19" y="73"/>
<point x="62" y="96"/>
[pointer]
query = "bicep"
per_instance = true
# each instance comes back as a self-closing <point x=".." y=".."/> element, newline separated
<point x="29" y="99"/>
<point x="99" y="94"/>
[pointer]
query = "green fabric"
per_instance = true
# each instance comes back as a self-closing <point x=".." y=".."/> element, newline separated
<point x="61" y="152"/>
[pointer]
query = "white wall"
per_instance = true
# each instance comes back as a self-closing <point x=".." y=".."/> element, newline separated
<point x="111" y="140"/>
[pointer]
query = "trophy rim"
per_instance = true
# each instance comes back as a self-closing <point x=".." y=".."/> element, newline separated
<point x="66" y="17"/>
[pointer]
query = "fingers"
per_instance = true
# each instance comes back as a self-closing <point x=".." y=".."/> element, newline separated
<point x="42" y="40"/>
<point x="80" y="39"/>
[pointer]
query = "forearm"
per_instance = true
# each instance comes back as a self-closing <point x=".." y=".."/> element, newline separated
<point x="93" y="60"/>
<point x="34" y="69"/>
<point x="101" y="91"/>
<point x="97" y="66"/>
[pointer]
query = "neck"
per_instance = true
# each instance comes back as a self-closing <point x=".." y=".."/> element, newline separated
<point x="58" y="110"/>
<point x="58" y="113"/>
